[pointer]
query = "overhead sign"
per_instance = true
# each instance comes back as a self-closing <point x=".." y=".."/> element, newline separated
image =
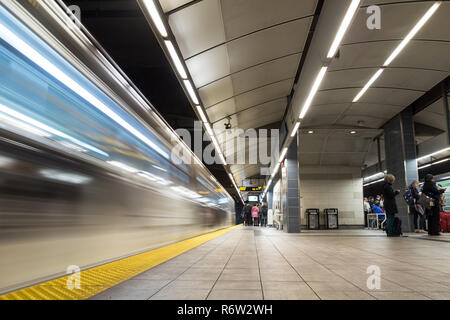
<point x="250" y="188"/>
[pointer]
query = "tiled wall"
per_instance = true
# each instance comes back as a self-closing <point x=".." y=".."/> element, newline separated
<point x="333" y="187"/>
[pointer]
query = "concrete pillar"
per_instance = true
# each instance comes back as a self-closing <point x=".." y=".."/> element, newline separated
<point x="400" y="153"/>
<point x="291" y="196"/>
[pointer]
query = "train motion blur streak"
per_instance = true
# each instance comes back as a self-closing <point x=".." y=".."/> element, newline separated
<point x="85" y="174"/>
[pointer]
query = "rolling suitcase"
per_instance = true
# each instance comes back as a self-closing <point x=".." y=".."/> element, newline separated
<point x="445" y="222"/>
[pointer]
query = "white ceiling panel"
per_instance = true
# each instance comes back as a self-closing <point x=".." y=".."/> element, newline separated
<point x="327" y="109"/>
<point x="369" y="121"/>
<point x="250" y="99"/>
<point x="249" y="79"/>
<point x="198" y="27"/>
<point x="168" y="5"/>
<point x="363" y="55"/>
<point x="374" y="110"/>
<point x="433" y="115"/>
<point x="390" y="96"/>
<point x="209" y="66"/>
<point x="268" y="44"/>
<point x="425" y="55"/>
<point x="216" y="91"/>
<point x="245" y="16"/>
<point x="253" y="118"/>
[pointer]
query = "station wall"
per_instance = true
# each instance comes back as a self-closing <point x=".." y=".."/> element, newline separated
<point x="333" y="187"/>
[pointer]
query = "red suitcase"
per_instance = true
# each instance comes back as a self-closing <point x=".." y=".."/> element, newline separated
<point x="445" y="222"/>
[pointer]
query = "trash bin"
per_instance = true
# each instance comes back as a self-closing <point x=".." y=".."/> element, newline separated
<point x="331" y="218"/>
<point x="312" y="219"/>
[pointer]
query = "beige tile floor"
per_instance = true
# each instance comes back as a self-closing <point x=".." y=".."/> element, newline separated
<point x="263" y="263"/>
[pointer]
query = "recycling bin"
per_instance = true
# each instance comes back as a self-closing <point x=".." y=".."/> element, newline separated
<point x="312" y="219"/>
<point x="331" y="218"/>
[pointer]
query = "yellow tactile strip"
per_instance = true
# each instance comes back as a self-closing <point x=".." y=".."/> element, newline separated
<point x="98" y="279"/>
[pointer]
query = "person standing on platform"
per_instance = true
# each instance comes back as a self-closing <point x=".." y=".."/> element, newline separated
<point x="419" y="221"/>
<point x="248" y="215"/>
<point x="431" y="190"/>
<point x="255" y="215"/>
<point x="390" y="206"/>
<point x="367" y="210"/>
<point x="264" y="215"/>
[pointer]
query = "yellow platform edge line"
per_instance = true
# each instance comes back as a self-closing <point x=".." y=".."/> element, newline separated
<point x="97" y="279"/>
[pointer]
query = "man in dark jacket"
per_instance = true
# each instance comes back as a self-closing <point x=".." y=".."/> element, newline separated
<point x="248" y="214"/>
<point x="390" y="206"/>
<point x="433" y="214"/>
<point x="264" y="215"/>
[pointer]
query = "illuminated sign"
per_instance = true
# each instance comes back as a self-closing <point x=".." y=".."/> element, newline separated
<point x="250" y="188"/>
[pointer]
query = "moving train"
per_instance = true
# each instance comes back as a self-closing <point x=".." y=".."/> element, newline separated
<point x="87" y="173"/>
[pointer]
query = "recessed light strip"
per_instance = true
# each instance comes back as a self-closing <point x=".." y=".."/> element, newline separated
<point x="343" y="28"/>
<point x="156" y="18"/>
<point x="175" y="58"/>
<point x="412" y="33"/>
<point x="368" y="84"/>
<point x="313" y="91"/>
<point x="294" y="131"/>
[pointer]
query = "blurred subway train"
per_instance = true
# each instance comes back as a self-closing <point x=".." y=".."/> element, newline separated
<point x="87" y="173"/>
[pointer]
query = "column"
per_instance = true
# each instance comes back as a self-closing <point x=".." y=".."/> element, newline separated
<point x="291" y="209"/>
<point x="400" y="151"/>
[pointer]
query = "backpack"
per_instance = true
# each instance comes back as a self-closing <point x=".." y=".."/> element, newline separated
<point x="409" y="197"/>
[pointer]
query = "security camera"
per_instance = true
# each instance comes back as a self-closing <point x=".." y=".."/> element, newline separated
<point x="228" y="125"/>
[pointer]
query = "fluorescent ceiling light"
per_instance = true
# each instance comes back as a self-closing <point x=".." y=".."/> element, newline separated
<point x="433" y="163"/>
<point x="368" y="84"/>
<point x="202" y="114"/>
<point x="294" y="131"/>
<point x="343" y="28"/>
<point x="433" y="154"/>
<point x="209" y="129"/>
<point x="276" y="169"/>
<point x="283" y="153"/>
<point x="45" y="64"/>
<point x="154" y="14"/>
<point x="191" y="91"/>
<point x="222" y="158"/>
<point x="412" y="33"/>
<point x="176" y="59"/>
<point x="376" y="181"/>
<point x="123" y="166"/>
<point x="376" y="175"/>
<point x="313" y="91"/>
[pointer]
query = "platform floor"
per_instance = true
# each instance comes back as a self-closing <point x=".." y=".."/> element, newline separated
<point x="263" y="263"/>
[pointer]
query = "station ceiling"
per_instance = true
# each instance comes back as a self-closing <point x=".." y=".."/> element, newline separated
<point x="248" y="61"/>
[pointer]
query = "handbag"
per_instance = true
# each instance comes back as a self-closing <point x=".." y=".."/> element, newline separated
<point x="419" y="208"/>
<point x="425" y="201"/>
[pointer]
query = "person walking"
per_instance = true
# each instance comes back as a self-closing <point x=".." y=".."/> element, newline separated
<point x="255" y="214"/>
<point x="430" y="189"/>
<point x="390" y="206"/>
<point x="419" y="219"/>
